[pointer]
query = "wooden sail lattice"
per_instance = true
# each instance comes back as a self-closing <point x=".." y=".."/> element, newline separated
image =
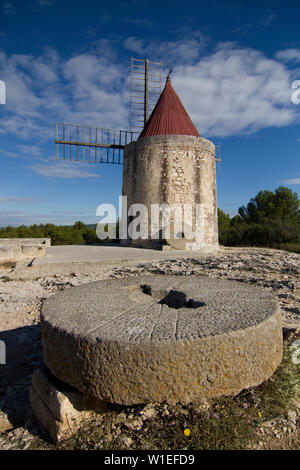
<point x="145" y="89"/>
<point x="91" y="144"/>
<point x="102" y="145"/>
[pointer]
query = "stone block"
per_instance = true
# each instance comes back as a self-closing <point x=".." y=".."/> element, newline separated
<point x="6" y="253"/>
<point x="59" y="408"/>
<point x="33" y="251"/>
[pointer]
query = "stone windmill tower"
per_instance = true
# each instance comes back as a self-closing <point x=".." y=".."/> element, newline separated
<point x="171" y="164"/>
<point x="168" y="165"/>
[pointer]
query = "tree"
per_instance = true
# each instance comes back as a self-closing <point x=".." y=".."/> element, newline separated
<point x="272" y="218"/>
<point x="223" y="226"/>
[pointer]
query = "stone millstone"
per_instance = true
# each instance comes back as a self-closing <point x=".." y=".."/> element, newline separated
<point x="161" y="338"/>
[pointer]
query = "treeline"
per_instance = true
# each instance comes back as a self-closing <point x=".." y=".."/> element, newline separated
<point x="271" y="219"/>
<point x="78" y="234"/>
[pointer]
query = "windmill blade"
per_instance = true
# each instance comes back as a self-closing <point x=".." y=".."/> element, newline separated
<point x="145" y="89"/>
<point x="100" y="145"/>
<point x="91" y="144"/>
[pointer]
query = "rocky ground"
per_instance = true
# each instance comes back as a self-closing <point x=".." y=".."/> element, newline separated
<point x="22" y="292"/>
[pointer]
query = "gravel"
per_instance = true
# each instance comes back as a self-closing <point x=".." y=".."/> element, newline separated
<point x="22" y="292"/>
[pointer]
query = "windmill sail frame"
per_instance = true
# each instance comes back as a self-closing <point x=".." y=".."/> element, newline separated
<point x="145" y="89"/>
<point x="103" y="145"/>
<point x="91" y="144"/>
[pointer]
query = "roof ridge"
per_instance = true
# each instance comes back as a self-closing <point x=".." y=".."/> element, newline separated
<point x="169" y="116"/>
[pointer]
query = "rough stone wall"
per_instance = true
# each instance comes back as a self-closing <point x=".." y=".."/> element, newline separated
<point x="173" y="170"/>
<point x="22" y="249"/>
<point x="17" y="242"/>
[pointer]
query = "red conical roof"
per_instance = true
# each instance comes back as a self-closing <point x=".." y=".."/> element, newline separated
<point x="169" y="116"/>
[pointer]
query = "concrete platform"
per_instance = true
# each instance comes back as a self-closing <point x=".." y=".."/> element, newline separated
<point x="105" y="254"/>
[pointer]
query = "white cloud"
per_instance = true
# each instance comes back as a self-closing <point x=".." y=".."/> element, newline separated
<point x="235" y="90"/>
<point x="16" y="218"/>
<point x="229" y="91"/>
<point x="87" y="88"/>
<point x="65" y="170"/>
<point x="289" y="55"/>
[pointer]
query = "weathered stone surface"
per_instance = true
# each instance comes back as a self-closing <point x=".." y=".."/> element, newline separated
<point x="19" y="242"/>
<point x="173" y="170"/>
<point x="161" y="338"/>
<point x="60" y="409"/>
<point x="6" y="253"/>
<point x="5" y="424"/>
<point x="32" y="251"/>
<point x="22" y="249"/>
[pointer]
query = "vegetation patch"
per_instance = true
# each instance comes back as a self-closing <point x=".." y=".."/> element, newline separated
<point x="271" y="219"/>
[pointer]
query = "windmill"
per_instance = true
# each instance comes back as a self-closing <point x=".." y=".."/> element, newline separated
<point x="167" y="124"/>
<point x="101" y="145"/>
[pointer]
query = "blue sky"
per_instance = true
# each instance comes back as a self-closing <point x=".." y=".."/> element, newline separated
<point x="234" y="64"/>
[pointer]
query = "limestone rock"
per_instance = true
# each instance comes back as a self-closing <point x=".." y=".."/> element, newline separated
<point x="5" y="424"/>
<point x="60" y="409"/>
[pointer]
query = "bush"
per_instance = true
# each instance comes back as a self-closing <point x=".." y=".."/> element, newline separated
<point x="271" y="219"/>
<point x="293" y="247"/>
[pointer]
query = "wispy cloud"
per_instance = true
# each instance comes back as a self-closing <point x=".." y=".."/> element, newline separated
<point x="87" y="88"/>
<point x="263" y="22"/>
<point x="227" y="91"/>
<point x="67" y="170"/>
<point x="185" y="50"/>
<point x="289" y="55"/>
<point x="291" y="181"/>
<point x="31" y="150"/>
<point x="45" y="3"/>
<point x="21" y="199"/>
<point x="8" y="9"/>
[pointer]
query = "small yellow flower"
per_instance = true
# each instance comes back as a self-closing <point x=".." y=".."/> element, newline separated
<point x="260" y="415"/>
<point x="187" y="432"/>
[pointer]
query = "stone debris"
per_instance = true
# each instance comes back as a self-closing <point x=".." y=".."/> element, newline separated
<point x="22" y="291"/>
<point x="5" y="424"/>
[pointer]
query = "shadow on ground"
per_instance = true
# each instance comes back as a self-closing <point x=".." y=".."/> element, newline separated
<point x="23" y="356"/>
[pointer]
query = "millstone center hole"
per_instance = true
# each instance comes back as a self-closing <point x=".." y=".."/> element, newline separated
<point x="172" y="298"/>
